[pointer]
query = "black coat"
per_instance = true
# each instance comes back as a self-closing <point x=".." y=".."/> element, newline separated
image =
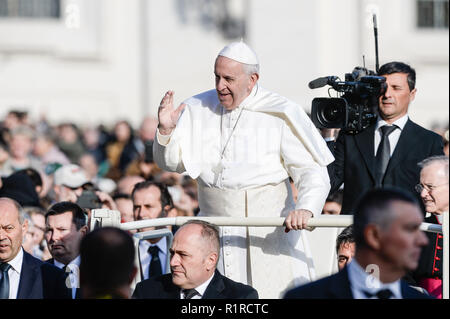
<point x="41" y="280"/>
<point x="337" y="286"/>
<point x="354" y="163"/>
<point x="77" y="291"/>
<point x="220" y="287"/>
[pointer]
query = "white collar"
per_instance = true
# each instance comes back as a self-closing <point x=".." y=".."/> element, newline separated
<point x="76" y="262"/>
<point x="161" y="244"/>
<point x="16" y="262"/>
<point x="401" y="122"/>
<point x="202" y="288"/>
<point x="366" y="282"/>
<point x="244" y="102"/>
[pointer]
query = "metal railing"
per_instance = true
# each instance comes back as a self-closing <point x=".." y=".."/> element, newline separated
<point x="320" y="221"/>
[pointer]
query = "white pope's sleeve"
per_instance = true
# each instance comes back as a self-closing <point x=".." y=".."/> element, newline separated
<point x="167" y="153"/>
<point x="311" y="179"/>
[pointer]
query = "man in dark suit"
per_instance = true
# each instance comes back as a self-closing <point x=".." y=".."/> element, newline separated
<point x="387" y="152"/>
<point x="23" y="276"/>
<point x="388" y="244"/>
<point x="66" y="225"/>
<point x="194" y="255"/>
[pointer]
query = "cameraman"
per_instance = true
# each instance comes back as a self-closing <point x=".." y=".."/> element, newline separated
<point x="387" y="152"/>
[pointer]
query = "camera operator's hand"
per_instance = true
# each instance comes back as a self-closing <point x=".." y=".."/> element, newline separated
<point x="106" y="200"/>
<point x="167" y="115"/>
<point x="298" y="219"/>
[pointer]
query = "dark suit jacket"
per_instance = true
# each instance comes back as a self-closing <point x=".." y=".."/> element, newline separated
<point x="337" y="286"/>
<point x="354" y="163"/>
<point x="78" y="290"/>
<point x="40" y="280"/>
<point x="220" y="287"/>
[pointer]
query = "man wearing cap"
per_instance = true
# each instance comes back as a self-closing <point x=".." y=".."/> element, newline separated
<point x="68" y="183"/>
<point x="242" y="142"/>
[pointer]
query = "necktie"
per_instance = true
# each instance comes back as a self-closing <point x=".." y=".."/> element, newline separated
<point x="380" y="294"/>
<point x="4" y="282"/>
<point x="189" y="293"/>
<point x="155" y="264"/>
<point x="383" y="153"/>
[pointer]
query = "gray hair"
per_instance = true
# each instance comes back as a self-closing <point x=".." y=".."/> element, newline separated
<point x="210" y="233"/>
<point x="250" y="69"/>
<point x="21" y="213"/>
<point x="442" y="159"/>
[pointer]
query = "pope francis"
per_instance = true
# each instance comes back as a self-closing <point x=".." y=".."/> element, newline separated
<point x="242" y="142"/>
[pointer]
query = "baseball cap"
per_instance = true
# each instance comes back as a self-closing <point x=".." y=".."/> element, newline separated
<point x="71" y="175"/>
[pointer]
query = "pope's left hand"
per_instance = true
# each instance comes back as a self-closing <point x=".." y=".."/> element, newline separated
<point x="298" y="219"/>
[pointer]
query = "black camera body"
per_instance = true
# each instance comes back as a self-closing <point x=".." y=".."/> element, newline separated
<point x="89" y="200"/>
<point x="357" y="106"/>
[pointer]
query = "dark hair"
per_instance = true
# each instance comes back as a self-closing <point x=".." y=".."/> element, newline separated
<point x="121" y="196"/>
<point x="399" y="67"/>
<point x="346" y="236"/>
<point x="335" y="197"/>
<point x="165" y="197"/>
<point x="33" y="174"/>
<point x="375" y="207"/>
<point x="79" y="217"/>
<point x="107" y="260"/>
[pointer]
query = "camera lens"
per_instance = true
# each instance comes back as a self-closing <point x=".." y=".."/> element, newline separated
<point x="332" y="113"/>
<point x="329" y="112"/>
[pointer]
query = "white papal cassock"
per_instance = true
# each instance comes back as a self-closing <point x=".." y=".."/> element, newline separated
<point x="269" y="138"/>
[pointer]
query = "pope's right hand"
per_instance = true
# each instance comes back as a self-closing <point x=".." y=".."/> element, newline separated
<point x="167" y="115"/>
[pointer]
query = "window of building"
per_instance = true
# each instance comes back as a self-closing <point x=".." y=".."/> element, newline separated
<point x="30" y="9"/>
<point x="432" y="14"/>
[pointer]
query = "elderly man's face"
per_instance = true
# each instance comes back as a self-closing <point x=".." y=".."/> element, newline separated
<point x="192" y="260"/>
<point x="11" y="231"/>
<point x="434" y="194"/>
<point x="233" y="84"/>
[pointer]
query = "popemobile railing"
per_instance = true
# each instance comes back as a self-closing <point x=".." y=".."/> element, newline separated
<point x="105" y="217"/>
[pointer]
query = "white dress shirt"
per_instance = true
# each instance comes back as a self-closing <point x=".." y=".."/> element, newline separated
<point x="394" y="136"/>
<point x="200" y="289"/>
<point x="362" y="281"/>
<point x="14" y="274"/>
<point x="74" y="274"/>
<point x="146" y="258"/>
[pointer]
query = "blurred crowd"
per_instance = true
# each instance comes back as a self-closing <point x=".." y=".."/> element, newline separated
<point x="95" y="167"/>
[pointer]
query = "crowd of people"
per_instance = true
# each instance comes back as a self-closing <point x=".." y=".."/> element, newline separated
<point x="209" y="157"/>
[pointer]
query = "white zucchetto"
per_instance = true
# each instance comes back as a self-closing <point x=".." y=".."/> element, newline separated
<point x="240" y="52"/>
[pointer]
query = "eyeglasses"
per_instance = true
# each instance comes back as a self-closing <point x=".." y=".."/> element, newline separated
<point x="429" y="188"/>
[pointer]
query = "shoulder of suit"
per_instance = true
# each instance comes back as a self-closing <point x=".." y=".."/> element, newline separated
<point x="237" y="286"/>
<point x="312" y="289"/>
<point x="413" y="293"/>
<point x="45" y="266"/>
<point x="423" y="130"/>
<point x="155" y="281"/>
